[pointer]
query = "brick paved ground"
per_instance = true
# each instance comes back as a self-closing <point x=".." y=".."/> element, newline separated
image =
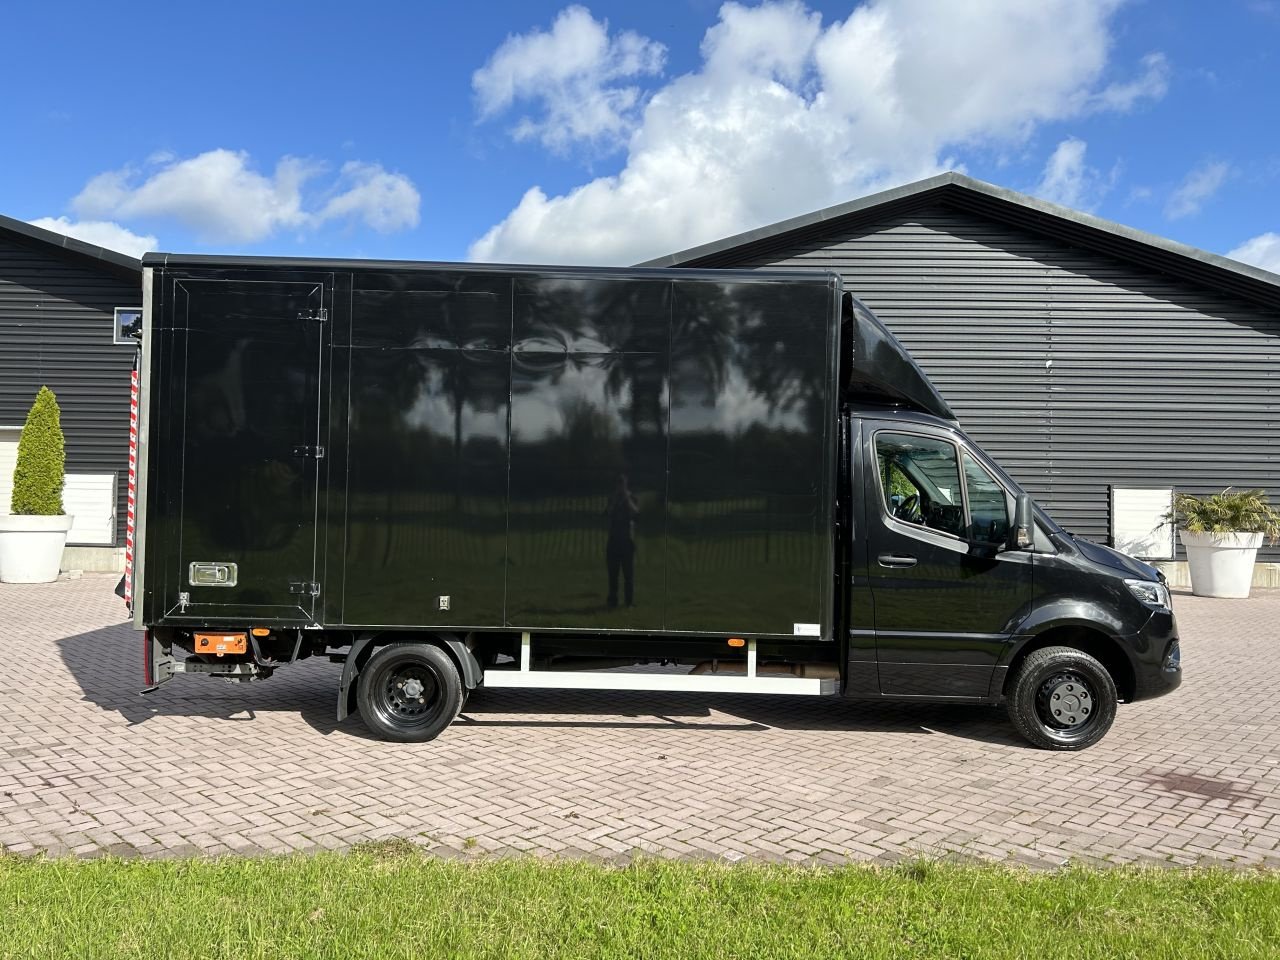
<point x="86" y="765"/>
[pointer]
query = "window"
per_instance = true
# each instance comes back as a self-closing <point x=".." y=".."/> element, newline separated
<point x="921" y="483"/>
<point x="920" y="478"/>
<point x="128" y="325"/>
<point x="988" y="506"/>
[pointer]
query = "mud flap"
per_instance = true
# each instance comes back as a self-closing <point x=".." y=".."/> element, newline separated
<point x="157" y="662"/>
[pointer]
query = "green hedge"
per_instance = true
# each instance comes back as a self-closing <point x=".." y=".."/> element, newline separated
<point x="39" y="473"/>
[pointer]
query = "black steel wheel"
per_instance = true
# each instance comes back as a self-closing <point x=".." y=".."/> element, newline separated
<point x="1062" y="699"/>
<point x="409" y="692"/>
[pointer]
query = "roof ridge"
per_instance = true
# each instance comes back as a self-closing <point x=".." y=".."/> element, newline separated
<point x="1241" y="278"/>
<point x="61" y="240"/>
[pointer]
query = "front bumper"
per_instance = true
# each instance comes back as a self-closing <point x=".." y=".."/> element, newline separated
<point x="1157" y="661"/>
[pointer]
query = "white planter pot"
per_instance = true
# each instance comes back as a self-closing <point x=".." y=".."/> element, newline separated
<point x="31" y="548"/>
<point x="1221" y="563"/>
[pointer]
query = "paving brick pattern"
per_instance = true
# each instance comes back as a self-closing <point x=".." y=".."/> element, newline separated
<point x="87" y="766"/>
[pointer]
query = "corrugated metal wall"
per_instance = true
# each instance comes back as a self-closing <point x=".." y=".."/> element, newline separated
<point x="56" y="327"/>
<point x="1074" y="369"/>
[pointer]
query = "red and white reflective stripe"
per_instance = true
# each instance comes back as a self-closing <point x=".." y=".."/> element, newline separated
<point x="131" y="514"/>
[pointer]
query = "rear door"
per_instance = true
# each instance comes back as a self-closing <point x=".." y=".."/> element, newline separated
<point x="251" y="448"/>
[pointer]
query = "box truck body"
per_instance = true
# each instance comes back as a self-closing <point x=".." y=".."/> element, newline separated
<point x="454" y="475"/>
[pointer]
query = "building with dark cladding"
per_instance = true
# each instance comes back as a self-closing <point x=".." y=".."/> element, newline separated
<point x="59" y="300"/>
<point x="1081" y="354"/>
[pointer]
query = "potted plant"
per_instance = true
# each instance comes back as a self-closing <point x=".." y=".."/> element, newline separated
<point x="1222" y="534"/>
<point x="32" y="538"/>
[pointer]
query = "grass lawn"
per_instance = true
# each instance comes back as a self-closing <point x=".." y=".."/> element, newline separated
<point x="392" y="902"/>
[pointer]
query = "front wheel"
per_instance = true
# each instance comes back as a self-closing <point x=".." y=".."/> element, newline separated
<point x="409" y="692"/>
<point x="1062" y="699"/>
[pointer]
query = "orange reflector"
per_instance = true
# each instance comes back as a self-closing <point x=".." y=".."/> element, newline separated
<point x="737" y="642"/>
<point x="221" y="643"/>
<point x="260" y="632"/>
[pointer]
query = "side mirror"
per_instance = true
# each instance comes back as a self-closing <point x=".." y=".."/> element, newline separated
<point x="983" y="549"/>
<point x="1022" y="536"/>
<point x="984" y="541"/>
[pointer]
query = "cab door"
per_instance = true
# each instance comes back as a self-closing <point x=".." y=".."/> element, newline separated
<point x="947" y="594"/>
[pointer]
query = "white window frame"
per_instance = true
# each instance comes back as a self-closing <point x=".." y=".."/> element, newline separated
<point x="115" y="330"/>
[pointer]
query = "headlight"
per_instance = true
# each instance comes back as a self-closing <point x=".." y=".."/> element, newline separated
<point x="1149" y="592"/>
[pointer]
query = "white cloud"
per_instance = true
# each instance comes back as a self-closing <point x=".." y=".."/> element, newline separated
<point x="384" y="201"/>
<point x="100" y="233"/>
<point x="771" y="40"/>
<point x="572" y="73"/>
<point x="215" y="194"/>
<point x="1068" y="180"/>
<point x="220" y="197"/>
<point x="786" y="115"/>
<point x="1196" y="187"/>
<point x="1152" y="85"/>
<point x="1262" y="251"/>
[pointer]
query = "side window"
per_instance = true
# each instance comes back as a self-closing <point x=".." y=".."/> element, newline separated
<point x="920" y="480"/>
<point x="988" y="508"/>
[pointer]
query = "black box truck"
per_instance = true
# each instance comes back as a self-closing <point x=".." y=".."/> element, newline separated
<point x="445" y="476"/>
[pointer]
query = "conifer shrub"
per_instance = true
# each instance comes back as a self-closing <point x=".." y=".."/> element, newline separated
<point x="40" y="469"/>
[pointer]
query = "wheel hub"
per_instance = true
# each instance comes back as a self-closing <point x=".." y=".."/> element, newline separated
<point x="1066" y="702"/>
<point x="410" y="692"/>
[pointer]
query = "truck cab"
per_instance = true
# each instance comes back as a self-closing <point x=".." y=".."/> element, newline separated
<point x="962" y="589"/>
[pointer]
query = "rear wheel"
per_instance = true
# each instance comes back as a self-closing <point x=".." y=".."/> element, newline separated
<point x="1062" y="699"/>
<point x="409" y="692"/>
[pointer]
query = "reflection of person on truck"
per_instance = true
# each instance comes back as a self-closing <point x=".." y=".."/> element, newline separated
<point x="620" y="550"/>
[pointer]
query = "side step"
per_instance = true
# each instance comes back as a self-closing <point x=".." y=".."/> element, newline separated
<point x="706" y="682"/>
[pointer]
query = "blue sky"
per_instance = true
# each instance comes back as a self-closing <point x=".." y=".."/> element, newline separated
<point x="613" y="132"/>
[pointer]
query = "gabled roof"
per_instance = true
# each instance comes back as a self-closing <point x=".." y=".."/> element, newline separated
<point x="116" y="263"/>
<point x="1008" y="206"/>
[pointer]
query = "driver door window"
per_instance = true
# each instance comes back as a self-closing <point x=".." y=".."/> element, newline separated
<point x="920" y="480"/>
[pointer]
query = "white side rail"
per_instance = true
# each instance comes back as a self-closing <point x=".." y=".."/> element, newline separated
<point x="752" y="682"/>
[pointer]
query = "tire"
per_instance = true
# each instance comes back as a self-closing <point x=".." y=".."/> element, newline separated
<point x="1062" y="699"/>
<point x="409" y="692"/>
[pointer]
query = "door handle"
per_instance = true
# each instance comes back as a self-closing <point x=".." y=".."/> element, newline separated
<point x="896" y="560"/>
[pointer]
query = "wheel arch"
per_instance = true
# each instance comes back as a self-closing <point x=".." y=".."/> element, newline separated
<point x="1088" y="639"/>
<point x="366" y="643"/>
